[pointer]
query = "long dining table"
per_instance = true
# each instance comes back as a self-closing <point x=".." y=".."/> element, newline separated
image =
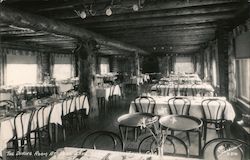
<point x="161" y="106"/>
<point x="107" y="91"/>
<point x="171" y="88"/>
<point x="7" y="123"/>
<point x="69" y="153"/>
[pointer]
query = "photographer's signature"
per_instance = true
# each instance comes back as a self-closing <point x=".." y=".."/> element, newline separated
<point x="229" y="151"/>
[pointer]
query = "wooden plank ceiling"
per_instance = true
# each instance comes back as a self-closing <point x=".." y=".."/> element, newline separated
<point x="164" y="26"/>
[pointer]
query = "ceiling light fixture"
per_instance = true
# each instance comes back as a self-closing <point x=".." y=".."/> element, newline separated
<point x="108" y="11"/>
<point x="135" y="7"/>
<point x="138" y="5"/>
<point x="81" y="14"/>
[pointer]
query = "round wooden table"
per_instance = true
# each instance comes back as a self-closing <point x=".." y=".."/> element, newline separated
<point x="133" y="120"/>
<point x="183" y="123"/>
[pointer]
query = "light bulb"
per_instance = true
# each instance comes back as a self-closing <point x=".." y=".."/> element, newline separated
<point x="83" y="14"/>
<point x="108" y="11"/>
<point x="135" y="7"/>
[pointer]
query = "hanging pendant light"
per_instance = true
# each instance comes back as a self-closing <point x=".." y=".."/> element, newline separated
<point x="135" y="7"/>
<point x="108" y="11"/>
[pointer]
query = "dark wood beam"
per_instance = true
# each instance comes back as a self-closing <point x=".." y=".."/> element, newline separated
<point x="163" y="34"/>
<point x="173" y="20"/>
<point x="126" y="6"/>
<point x="34" y="47"/>
<point x="195" y="26"/>
<point x="70" y="14"/>
<point x="23" y="19"/>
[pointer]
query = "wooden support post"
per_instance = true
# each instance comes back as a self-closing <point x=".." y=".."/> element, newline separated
<point x="137" y="72"/>
<point x="87" y="57"/>
<point x="223" y="61"/>
<point x="137" y="64"/>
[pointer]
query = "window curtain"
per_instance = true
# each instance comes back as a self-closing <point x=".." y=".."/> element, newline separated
<point x="62" y="66"/>
<point x="21" y="67"/>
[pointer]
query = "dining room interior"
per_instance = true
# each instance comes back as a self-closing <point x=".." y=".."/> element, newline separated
<point x="124" y="79"/>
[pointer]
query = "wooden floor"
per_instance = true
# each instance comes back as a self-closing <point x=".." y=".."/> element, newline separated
<point x="108" y="122"/>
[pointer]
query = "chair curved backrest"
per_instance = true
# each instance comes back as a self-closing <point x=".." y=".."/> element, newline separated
<point x="225" y="148"/>
<point x="43" y="116"/>
<point x="22" y="124"/>
<point x="66" y="106"/>
<point x="80" y="101"/>
<point x="163" y="89"/>
<point x="198" y="91"/>
<point x="145" y="104"/>
<point x="102" y="140"/>
<point x="213" y="109"/>
<point x="172" y="146"/>
<point x="179" y="105"/>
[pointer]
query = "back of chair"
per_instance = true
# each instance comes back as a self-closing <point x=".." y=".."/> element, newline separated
<point x="213" y="109"/>
<point x="164" y="89"/>
<point x="225" y="148"/>
<point x="145" y="104"/>
<point x="102" y="140"/>
<point x="22" y="124"/>
<point x="43" y="115"/>
<point x="67" y="105"/>
<point x="172" y="146"/>
<point x="179" y="105"/>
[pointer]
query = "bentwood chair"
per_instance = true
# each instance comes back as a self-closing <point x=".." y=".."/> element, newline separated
<point x="103" y="140"/>
<point x="213" y="114"/>
<point x="42" y="131"/>
<point x="144" y="104"/>
<point x="81" y="112"/>
<point x="163" y="89"/>
<point x="179" y="106"/>
<point x="68" y="117"/>
<point x="226" y="149"/>
<point x="21" y="131"/>
<point x="113" y="97"/>
<point x="172" y="146"/>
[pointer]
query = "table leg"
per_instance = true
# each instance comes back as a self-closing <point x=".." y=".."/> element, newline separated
<point x="199" y="145"/>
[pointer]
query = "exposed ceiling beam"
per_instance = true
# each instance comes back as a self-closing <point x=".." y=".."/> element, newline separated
<point x="149" y="6"/>
<point x="173" y="20"/>
<point x="180" y="27"/>
<point x="27" y="20"/>
<point x="70" y="14"/>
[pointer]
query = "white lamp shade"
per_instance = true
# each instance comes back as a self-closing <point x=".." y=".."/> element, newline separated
<point x="135" y="7"/>
<point x="108" y="11"/>
<point x="83" y="14"/>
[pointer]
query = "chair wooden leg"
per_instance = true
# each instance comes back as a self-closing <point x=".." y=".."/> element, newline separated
<point x="188" y="137"/>
<point x="205" y="133"/>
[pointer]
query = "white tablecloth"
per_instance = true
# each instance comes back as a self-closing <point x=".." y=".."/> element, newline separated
<point x="108" y="91"/>
<point x="30" y="87"/>
<point x="161" y="107"/>
<point x="188" y="87"/>
<point x="69" y="153"/>
<point x="7" y="125"/>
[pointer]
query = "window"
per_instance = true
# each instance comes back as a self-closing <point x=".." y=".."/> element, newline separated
<point x="62" y="67"/>
<point x="104" y="66"/>
<point x="184" y="65"/>
<point x="243" y="66"/>
<point x="21" y="69"/>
